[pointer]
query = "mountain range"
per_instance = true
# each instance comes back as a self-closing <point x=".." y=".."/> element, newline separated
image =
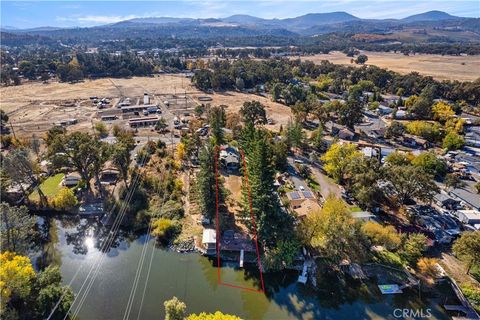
<point x="296" y="24"/>
<point x="248" y="26"/>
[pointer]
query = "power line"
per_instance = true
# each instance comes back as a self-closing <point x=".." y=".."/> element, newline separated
<point x="141" y="262"/>
<point x="97" y="266"/>
<point x="104" y="246"/>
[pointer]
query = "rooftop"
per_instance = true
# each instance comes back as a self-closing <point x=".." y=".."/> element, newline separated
<point x="209" y="236"/>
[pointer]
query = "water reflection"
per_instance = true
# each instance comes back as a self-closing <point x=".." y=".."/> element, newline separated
<point x="89" y="242"/>
<point x="193" y="278"/>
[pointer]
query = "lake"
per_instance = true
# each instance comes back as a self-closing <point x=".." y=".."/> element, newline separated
<point x="193" y="279"/>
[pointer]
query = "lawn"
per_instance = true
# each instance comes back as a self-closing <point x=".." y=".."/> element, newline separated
<point x="355" y="209"/>
<point x="50" y="187"/>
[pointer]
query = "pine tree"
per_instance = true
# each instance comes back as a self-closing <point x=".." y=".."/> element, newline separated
<point x="272" y="223"/>
<point x="217" y="120"/>
<point x="206" y="180"/>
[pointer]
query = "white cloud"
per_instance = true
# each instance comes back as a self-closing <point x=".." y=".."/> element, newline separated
<point x="98" y="19"/>
<point x="106" y="19"/>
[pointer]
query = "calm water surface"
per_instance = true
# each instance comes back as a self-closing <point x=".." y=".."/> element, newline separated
<point x="193" y="279"/>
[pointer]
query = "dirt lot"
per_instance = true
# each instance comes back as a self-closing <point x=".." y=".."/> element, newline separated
<point x="439" y="67"/>
<point x="35" y="107"/>
<point x="234" y="100"/>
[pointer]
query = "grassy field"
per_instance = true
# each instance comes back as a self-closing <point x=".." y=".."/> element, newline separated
<point x="49" y="187"/>
<point x="462" y="68"/>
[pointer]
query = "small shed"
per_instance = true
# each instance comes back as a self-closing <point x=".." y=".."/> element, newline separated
<point x="209" y="241"/>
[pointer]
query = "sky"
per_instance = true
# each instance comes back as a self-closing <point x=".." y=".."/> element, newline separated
<point x="30" y="14"/>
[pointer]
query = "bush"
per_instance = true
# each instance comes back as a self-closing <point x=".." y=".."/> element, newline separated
<point x="65" y="199"/>
<point x="171" y="210"/>
<point x="472" y="294"/>
<point x="385" y="236"/>
<point x="428" y="267"/>
<point x="163" y="228"/>
<point x="101" y="129"/>
<point x="413" y="247"/>
<point x="453" y="141"/>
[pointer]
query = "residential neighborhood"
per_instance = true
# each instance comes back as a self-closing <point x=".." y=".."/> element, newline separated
<point x="151" y="163"/>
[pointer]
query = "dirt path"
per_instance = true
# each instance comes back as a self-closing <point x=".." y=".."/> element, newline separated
<point x="456" y="269"/>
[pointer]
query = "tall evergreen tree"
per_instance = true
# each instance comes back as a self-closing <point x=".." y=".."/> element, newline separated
<point x="272" y="223"/>
<point x="206" y="182"/>
<point x="217" y="118"/>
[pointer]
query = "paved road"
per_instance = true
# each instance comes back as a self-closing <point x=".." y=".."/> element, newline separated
<point x="294" y="176"/>
<point x="327" y="186"/>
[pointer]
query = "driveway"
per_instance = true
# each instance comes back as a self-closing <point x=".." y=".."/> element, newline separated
<point x="327" y="186"/>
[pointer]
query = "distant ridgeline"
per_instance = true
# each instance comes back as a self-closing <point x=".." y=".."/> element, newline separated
<point x="429" y="32"/>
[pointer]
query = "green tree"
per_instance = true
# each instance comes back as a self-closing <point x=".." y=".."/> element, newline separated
<point x="121" y="159"/>
<point x="453" y="141"/>
<point x="410" y="182"/>
<point x="294" y="134"/>
<point x="276" y="91"/>
<point x="363" y="175"/>
<point x="283" y="255"/>
<point x="253" y="112"/>
<point x="422" y="106"/>
<point x="216" y="119"/>
<point x="101" y="129"/>
<point x="22" y="169"/>
<point x="350" y="113"/>
<point x="280" y="154"/>
<point x="316" y="140"/>
<point x="399" y="158"/>
<point x="429" y="162"/>
<point x="239" y="83"/>
<point x="453" y="181"/>
<point x="206" y="181"/>
<point x="3" y="117"/>
<point x="161" y="125"/>
<point x="322" y="111"/>
<point x="16" y="228"/>
<point x="85" y="153"/>
<point x="272" y="223"/>
<point x="395" y="129"/>
<point x="467" y="248"/>
<point x="49" y="291"/>
<point x="163" y="228"/>
<point x="174" y="309"/>
<point x="361" y="59"/>
<point x="413" y="246"/>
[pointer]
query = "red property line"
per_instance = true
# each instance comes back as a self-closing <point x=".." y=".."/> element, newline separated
<point x="253" y="223"/>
